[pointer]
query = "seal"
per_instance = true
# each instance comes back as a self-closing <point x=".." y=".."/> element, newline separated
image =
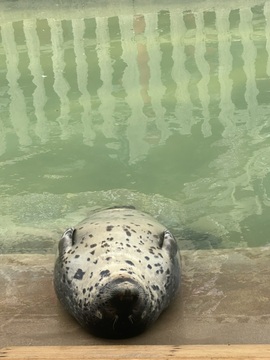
<point x="117" y="271"/>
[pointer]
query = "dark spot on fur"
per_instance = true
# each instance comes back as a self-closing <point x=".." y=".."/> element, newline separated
<point x="130" y="262"/>
<point x="79" y="274"/>
<point x="128" y="233"/>
<point x="105" y="245"/>
<point x="93" y="245"/>
<point x="90" y="235"/>
<point x="104" y="273"/>
<point x="147" y="257"/>
<point x="109" y="227"/>
<point x="92" y="252"/>
<point x="155" y="287"/>
<point x="77" y="256"/>
<point x="149" y="266"/>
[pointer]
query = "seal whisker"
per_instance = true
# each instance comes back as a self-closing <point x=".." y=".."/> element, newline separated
<point x="115" y="321"/>
<point x="130" y="318"/>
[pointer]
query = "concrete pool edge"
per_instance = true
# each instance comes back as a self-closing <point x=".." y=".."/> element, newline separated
<point x="225" y="299"/>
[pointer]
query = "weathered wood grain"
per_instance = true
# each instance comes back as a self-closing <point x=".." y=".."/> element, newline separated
<point x="128" y="352"/>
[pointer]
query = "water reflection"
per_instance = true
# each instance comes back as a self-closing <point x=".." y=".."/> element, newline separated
<point x="60" y="86"/>
<point x="17" y="104"/>
<point x="39" y="96"/>
<point x="179" y="92"/>
<point x="144" y="90"/>
<point x="78" y="28"/>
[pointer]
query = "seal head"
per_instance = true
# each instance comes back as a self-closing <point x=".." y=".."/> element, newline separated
<point x="117" y="272"/>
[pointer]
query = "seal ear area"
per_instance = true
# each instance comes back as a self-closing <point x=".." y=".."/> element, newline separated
<point x="66" y="241"/>
<point x="168" y="242"/>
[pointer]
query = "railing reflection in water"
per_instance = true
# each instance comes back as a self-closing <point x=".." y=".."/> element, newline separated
<point x="138" y="78"/>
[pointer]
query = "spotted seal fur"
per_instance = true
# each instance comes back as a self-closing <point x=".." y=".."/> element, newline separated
<point x="117" y="271"/>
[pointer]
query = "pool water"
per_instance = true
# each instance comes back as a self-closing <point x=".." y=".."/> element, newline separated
<point x="166" y="109"/>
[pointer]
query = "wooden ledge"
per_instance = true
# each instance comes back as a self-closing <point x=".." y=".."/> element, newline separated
<point x="141" y="352"/>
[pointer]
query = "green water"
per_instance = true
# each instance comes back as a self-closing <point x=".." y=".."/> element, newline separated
<point x="166" y="110"/>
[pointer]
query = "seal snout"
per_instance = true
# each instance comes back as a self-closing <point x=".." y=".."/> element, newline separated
<point x="124" y="296"/>
<point x="125" y="304"/>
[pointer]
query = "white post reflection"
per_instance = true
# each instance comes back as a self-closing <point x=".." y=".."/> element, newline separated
<point x="156" y="89"/>
<point x="225" y="67"/>
<point x="137" y="122"/>
<point x="204" y="69"/>
<point x="107" y="100"/>
<point x="78" y="28"/>
<point x="39" y="95"/>
<point x="17" y="107"/>
<point x="60" y="85"/>
<point x="267" y="34"/>
<point x="249" y="58"/>
<point x="3" y="141"/>
<point x="181" y="76"/>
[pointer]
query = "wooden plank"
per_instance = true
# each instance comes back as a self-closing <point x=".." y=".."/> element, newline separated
<point x="141" y="352"/>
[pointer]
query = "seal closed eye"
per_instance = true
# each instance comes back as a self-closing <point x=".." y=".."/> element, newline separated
<point x="117" y="271"/>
